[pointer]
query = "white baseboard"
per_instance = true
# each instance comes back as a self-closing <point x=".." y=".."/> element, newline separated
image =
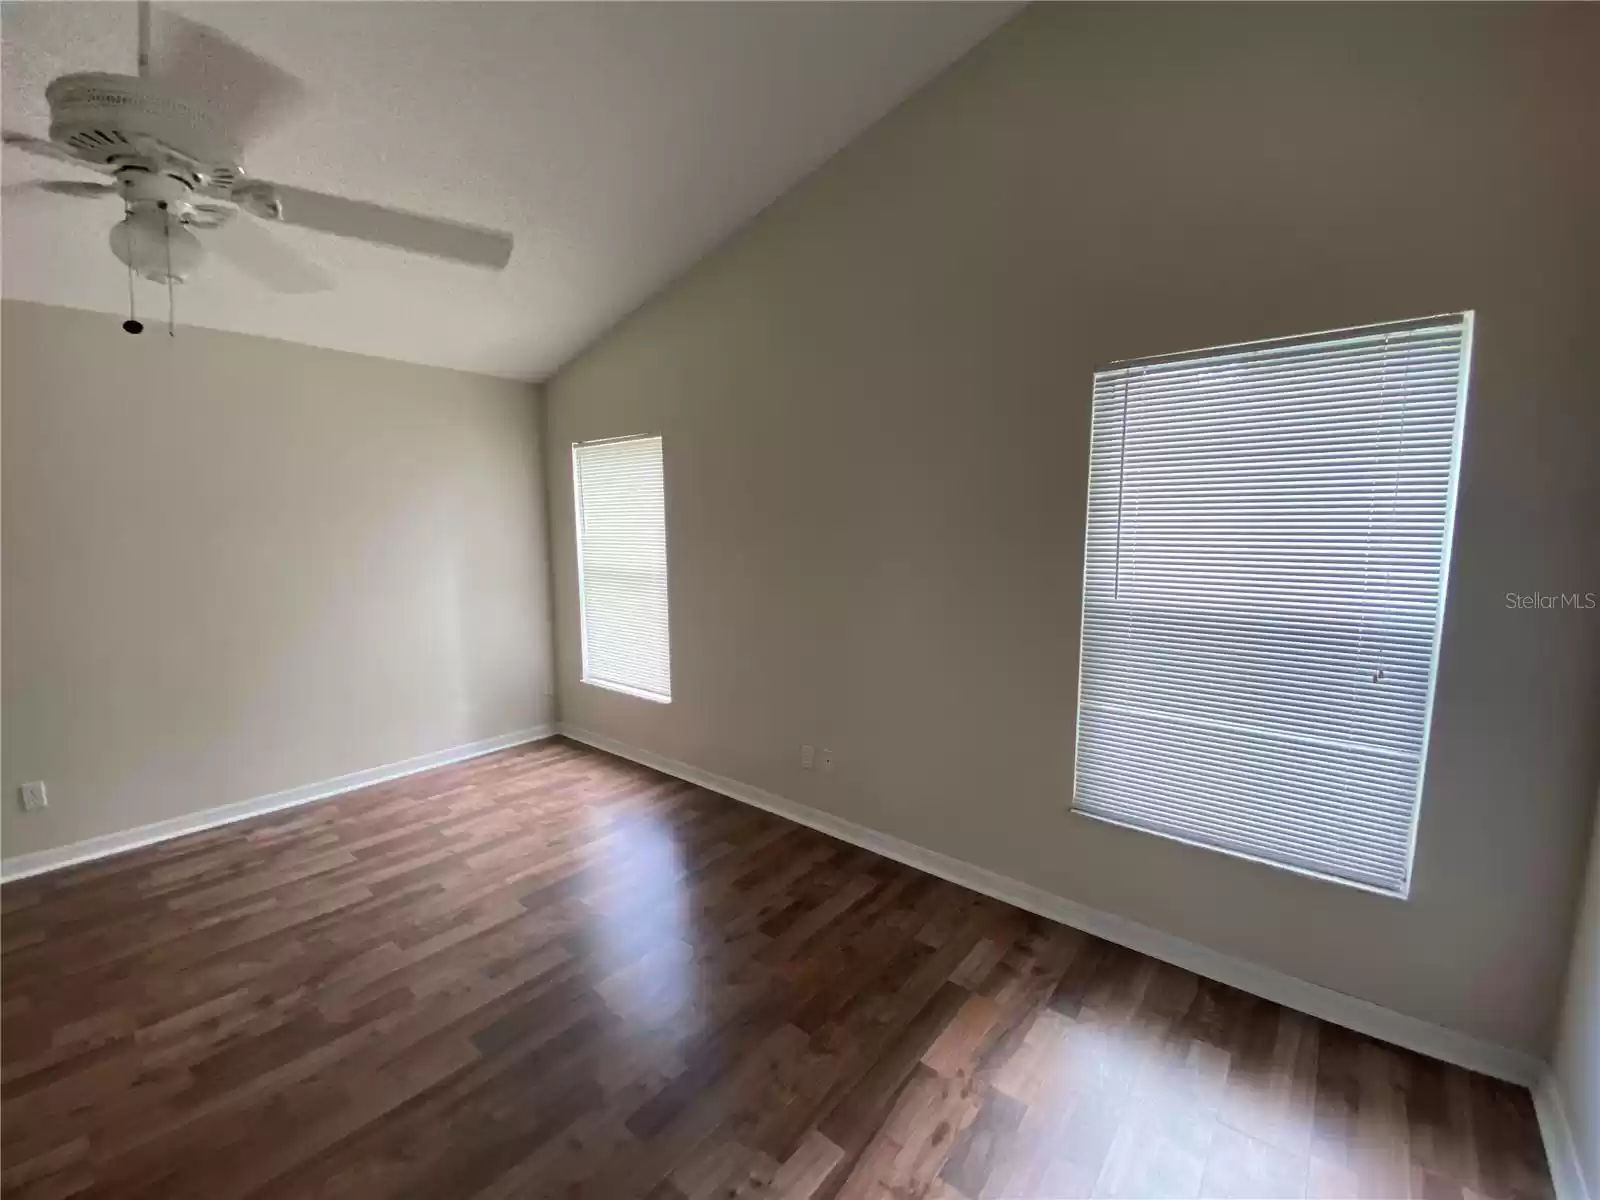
<point x="1313" y="999"/>
<point x="22" y="865"/>
<point x="1566" y="1168"/>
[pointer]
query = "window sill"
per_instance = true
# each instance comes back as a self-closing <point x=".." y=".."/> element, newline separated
<point x="624" y="689"/>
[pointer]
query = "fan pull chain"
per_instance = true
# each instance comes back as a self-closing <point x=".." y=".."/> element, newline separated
<point x="172" y="304"/>
<point x="131" y="325"/>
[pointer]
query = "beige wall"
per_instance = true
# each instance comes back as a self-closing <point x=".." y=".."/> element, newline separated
<point x="1577" y="1057"/>
<point x="234" y="566"/>
<point x="875" y="404"/>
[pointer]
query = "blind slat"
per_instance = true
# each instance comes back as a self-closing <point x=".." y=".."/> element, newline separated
<point x="619" y="492"/>
<point x="1266" y="549"/>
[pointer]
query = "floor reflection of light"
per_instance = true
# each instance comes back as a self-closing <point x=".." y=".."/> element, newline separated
<point x="642" y="934"/>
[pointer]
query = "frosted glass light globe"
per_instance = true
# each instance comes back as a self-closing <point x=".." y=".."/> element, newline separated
<point x="144" y="238"/>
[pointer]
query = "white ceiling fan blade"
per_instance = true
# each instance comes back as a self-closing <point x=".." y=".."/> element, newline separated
<point x="43" y="148"/>
<point x="86" y="188"/>
<point x="265" y="258"/>
<point x="247" y="93"/>
<point x="389" y="226"/>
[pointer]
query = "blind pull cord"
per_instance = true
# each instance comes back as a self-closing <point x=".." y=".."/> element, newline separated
<point x="1122" y="461"/>
<point x="1394" y="494"/>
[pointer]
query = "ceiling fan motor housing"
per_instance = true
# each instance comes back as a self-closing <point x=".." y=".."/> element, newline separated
<point x="108" y="119"/>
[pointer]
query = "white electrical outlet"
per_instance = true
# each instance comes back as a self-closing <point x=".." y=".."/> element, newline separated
<point x="808" y="757"/>
<point x="32" y="796"/>
<point x="827" y="759"/>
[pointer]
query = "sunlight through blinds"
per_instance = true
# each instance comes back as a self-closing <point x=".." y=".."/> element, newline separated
<point x="622" y="565"/>
<point x="1267" y="547"/>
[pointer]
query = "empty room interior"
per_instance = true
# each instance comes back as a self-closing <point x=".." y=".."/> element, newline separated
<point x="803" y="600"/>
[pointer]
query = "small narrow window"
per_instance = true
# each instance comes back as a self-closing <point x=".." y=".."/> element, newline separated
<point x="622" y="566"/>
<point x="1267" y="549"/>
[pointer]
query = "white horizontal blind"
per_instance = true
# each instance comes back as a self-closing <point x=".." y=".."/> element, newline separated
<point x="1268" y="541"/>
<point x="622" y="565"/>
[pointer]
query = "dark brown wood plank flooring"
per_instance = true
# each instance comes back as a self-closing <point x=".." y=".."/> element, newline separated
<point x="550" y="972"/>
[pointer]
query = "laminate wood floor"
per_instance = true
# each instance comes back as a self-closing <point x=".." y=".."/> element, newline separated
<point x="550" y="972"/>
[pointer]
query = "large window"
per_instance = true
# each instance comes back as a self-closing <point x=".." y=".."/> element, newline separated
<point x="622" y="565"/>
<point x="1268" y="542"/>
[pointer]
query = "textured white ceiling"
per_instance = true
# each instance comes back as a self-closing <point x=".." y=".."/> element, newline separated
<point x="617" y="141"/>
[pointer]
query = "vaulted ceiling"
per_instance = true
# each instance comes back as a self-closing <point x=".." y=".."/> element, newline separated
<point x="618" y="142"/>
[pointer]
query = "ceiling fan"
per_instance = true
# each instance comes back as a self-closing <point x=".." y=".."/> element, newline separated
<point x="174" y="162"/>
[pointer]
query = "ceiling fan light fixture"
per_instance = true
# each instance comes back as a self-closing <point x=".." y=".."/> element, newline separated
<point x="156" y="245"/>
<point x="176" y="164"/>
